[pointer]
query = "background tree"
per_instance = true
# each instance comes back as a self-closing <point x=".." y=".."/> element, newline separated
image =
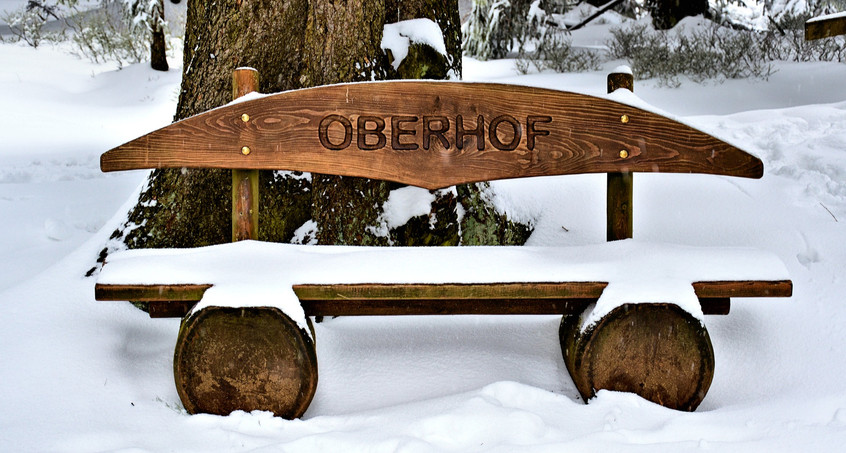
<point x="667" y="13"/>
<point x="296" y="44"/>
<point x="158" y="49"/>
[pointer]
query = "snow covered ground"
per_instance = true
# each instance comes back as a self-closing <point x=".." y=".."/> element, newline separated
<point x="84" y="376"/>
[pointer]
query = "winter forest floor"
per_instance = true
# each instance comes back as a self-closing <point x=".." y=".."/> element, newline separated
<point x="78" y="375"/>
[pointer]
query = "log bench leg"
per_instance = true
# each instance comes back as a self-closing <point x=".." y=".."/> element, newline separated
<point x="246" y="359"/>
<point x="657" y="351"/>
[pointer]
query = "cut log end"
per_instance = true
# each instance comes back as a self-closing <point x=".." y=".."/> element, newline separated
<point x="657" y="351"/>
<point x="246" y="359"/>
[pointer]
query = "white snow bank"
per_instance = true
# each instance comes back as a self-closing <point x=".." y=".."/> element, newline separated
<point x="397" y="37"/>
<point x="251" y="273"/>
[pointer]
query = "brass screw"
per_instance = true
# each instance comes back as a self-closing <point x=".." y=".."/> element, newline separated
<point x="624" y="154"/>
<point x="245" y="117"/>
<point x="246" y="151"/>
<point x="624" y="119"/>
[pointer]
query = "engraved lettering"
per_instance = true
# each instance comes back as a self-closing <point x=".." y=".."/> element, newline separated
<point x="323" y="132"/>
<point x="397" y="131"/>
<point x="439" y="133"/>
<point x="494" y="138"/>
<point x="363" y="132"/>
<point x="478" y="132"/>
<point x="532" y="131"/>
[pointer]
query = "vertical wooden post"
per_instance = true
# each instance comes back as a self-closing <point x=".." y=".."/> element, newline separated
<point x="245" y="183"/>
<point x="619" y="223"/>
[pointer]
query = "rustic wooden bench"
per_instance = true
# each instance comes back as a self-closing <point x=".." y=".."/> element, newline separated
<point x="249" y="354"/>
<point x="826" y="26"/>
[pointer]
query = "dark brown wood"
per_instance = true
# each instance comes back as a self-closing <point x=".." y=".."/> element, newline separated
<point x="245" y="183"/>
<point x="620" y="185"/>
<point x="246" y="359"/>
<point x="409" y="307"/>
<point x="150" y="293"/>
<point x="619" y="216"/>
<point x="245" y="205"/>
<point x="407" y="131"/>
<point x="169" y="308"/>
<point x="617" y="80"/>
<point x="744" y="288"/>
<point x="431" y="299"/>
<point x="406" y="291"/>
<point x="244" y="81"/>
<point x="715" y="305"/>
<point x="657" y="351"/>
<point x="825" y="27"/>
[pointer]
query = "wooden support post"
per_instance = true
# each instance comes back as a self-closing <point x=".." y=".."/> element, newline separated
<point x="619" y="223"/>
<point x="247" y="359"/>
<point x="245" y="183"/>
<point x="254" y="358"/>
<point x="657" y="351"/>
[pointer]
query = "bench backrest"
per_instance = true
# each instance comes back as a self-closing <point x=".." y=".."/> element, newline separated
<point x="433" y="135"/>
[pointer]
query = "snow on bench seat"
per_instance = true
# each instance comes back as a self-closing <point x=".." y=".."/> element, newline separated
<point x="252" y="273"/>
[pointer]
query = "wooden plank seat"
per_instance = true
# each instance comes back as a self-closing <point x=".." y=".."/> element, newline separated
<point x="648" y="297"/>
<point x="566" y="287"/>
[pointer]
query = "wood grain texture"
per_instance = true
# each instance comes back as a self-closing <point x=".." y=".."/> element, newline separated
<point x="619" y="187"/>
<point x="409" y="132"/>
<point x="780" y="288"/>
<point x="245" y="183"/>
<point x="657" y="351"/>
<point x="150" y="293"/>
<point x="255" y="358"/>
<point x="433" y="299"/>
<point x="245" y="205"/>
<point x="619" y="200"/>
<point x="406" y="291"/>
<point x="825" y="28"/>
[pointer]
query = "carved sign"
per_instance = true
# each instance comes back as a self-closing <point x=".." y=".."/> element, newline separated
<point x="371" y="135"/>
<point x="433" y="135"/>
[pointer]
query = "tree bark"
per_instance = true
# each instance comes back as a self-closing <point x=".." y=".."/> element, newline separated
<point x="295" y="44"/>
<point x="667" y="13"/>
<point x="158" y="49"/>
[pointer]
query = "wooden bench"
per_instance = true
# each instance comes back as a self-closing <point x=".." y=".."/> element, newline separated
<point x="826" y="26"/>
<point x="433" y="135"/>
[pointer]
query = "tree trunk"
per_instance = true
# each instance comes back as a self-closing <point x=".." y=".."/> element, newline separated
<point x="667" y="13"/>
<point x="158" y="49"/>
<point x="296" y="44"/>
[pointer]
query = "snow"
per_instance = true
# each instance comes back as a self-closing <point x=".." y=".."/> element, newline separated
<point x="622" y="69"/>
<point x="253" y="273"/>
<point x="405" y="203"/>
<point x="831" y="16"/>
<point x="398" y="36"/>
<point x="85" y="376"/>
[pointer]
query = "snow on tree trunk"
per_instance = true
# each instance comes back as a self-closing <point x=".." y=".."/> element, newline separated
<point x="667" y="13"/>
<point x="296" y="44"/>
